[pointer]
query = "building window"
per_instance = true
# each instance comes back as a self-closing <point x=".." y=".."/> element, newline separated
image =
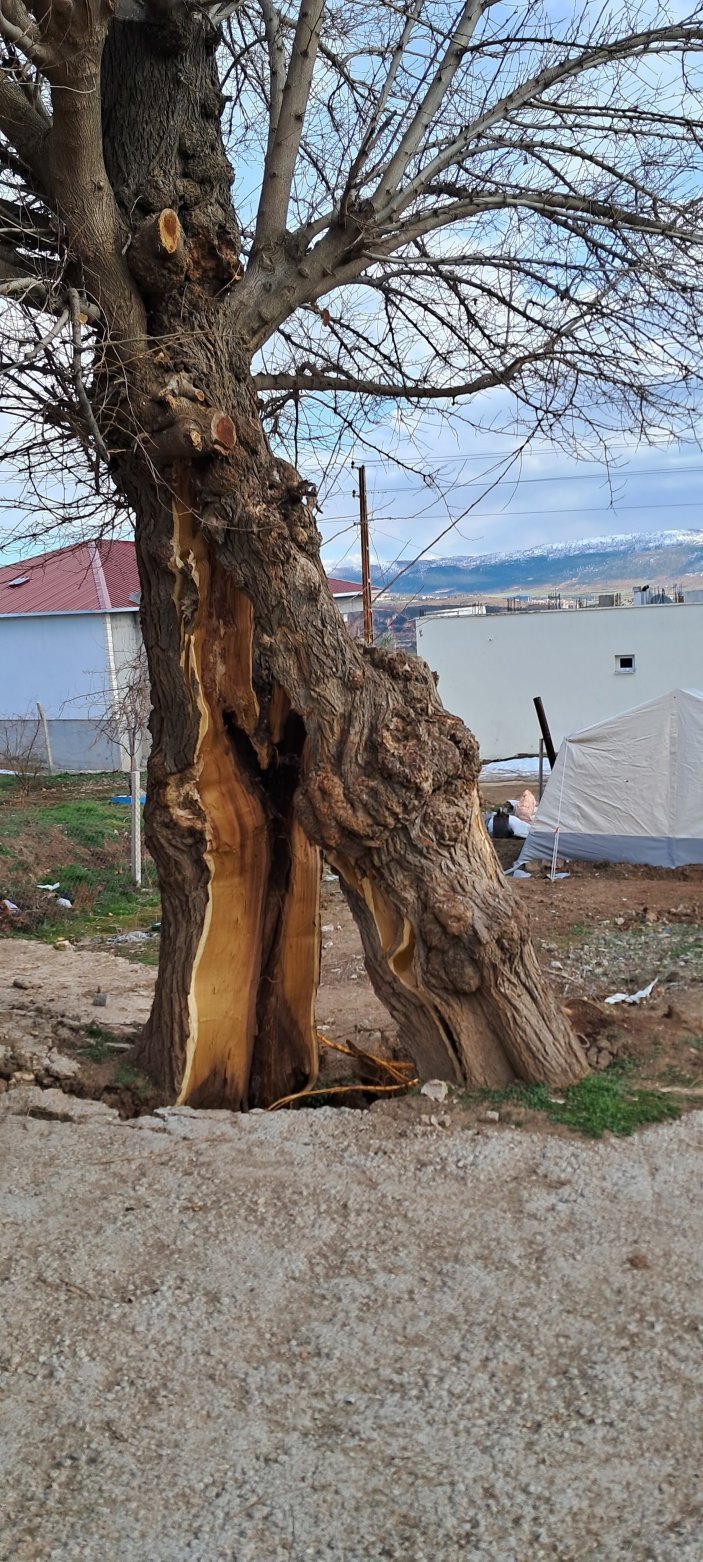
<point x="624" y="664"/>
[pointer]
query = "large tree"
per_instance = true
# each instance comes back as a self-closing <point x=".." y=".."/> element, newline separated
<point x="448" y="198"/>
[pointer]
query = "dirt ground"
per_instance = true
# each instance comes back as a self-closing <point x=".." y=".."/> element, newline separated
<point x="601" y="931"/>
<point x="413" y="1332"/>
<point x="337" y="1336"/>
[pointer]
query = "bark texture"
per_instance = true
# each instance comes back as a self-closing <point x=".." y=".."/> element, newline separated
<point x="274" y="735"/>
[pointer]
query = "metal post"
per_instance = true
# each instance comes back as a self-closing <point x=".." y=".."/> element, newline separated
<point x="135" y="780"/>
<point x="544" y="729"/>
<point x="365" y="565"/>
<point x="540" y="783"/>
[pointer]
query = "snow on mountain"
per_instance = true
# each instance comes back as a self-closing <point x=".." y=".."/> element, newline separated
<point x="592" y="563"/>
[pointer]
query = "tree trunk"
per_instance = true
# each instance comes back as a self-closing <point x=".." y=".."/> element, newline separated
<point x="275" y="735"/>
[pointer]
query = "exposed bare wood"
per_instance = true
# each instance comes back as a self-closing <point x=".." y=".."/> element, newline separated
<point x="157" y="254"/>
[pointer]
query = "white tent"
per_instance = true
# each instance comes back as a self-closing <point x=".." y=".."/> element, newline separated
<point x="629" y="789"/>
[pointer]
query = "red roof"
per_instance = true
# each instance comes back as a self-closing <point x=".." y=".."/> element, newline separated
<point x="343" y="588"/>
<point x="89" y="577"/>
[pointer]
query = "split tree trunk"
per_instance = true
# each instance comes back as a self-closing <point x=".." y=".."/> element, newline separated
<point x="275" y="736"/>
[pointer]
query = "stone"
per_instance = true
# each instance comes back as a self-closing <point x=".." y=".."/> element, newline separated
<point x="99" y="1000"/>
<point x="60" y="1067"/>
<point x="436" y="1089"/>
<point x="31" y="1101"/>
<point x="491" y="1117"/>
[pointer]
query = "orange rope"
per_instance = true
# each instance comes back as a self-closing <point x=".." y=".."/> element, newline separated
<point x="398" y="1071"/>
<point x="338" y="1090"/>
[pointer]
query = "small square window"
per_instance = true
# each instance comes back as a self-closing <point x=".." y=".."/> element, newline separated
<point x="624" y="664"/>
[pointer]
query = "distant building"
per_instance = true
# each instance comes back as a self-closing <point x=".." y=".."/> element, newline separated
<point x="69" y="632"/>
<point x="586" y="666"/>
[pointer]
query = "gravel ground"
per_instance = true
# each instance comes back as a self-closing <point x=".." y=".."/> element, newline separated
<point x="340" y="1336"/>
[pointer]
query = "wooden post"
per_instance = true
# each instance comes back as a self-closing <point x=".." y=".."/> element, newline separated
<point x="135" y="780"/>
<point x="365" y="566"/>
<point x="540" y="783"/>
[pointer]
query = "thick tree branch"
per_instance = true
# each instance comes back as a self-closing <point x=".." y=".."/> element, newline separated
<point x="84" y="198"/>
<point x="26" y="131"/>
<point x="432" y="101"/>
<point x="281" y="159"/>
<point x="311" y="379"/>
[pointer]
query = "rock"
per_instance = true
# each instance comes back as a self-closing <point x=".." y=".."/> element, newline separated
<point x="491" y="1117"/>
<point x="23" y="1077"/>
<point x="436" y="1089"/>
<point x="100" y="1000"/>
<point x="18" y="982"/>
<point x="60" y="1067"/>
<point x="30" y="1101"/>
<point x="63" y="943"/>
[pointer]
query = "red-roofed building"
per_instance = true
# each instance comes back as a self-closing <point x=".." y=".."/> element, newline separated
<point x="69" y="624"/>
<point x="90" y="577"/>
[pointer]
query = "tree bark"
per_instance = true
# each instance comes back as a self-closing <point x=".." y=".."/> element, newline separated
<point x="275" y="736"/>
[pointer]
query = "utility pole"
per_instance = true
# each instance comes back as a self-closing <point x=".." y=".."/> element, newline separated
<point x="365" y="568"/>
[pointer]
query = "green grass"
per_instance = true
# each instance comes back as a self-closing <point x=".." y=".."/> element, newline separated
<point x="131" y="1077"/>
<point x="601" y="1103"/>
<point x="66" y="830"/>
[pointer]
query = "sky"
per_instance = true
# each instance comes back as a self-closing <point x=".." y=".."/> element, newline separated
<point x="459" y="491"/>
<point x="483" y="503"/>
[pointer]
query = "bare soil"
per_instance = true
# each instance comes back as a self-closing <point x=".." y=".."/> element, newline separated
<point x="602" y="930"/>
<point x="347" y="1337"/>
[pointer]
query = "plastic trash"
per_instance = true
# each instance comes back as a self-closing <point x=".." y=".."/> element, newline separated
<point x="10" y="907"/>
<point x="51" y="887"/>
<point x="436" y="1089"/>
<point x="510" y="825"/>
<point x="526" y="806"/>
<point x="66" y="905"/>
<point x="125" y="801"/>
<point x="644" y="992"/>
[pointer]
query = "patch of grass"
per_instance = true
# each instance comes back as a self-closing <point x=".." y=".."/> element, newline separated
<point x="68" y="832"/>
<point x="601" y="1103"/>
<point x="696" y="1042"/>
<point x="96" y="1052"/>
<point x="607" y="1103"/>
<point x="131" y="1078"/>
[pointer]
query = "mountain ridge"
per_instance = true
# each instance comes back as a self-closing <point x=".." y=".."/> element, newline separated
<point x="586" y="565"/>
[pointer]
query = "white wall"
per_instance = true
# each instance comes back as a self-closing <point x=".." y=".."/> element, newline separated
<point x="490" y="668"/>
<point x="54" y="658"/>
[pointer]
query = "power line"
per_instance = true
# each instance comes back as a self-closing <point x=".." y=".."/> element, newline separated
<point x="564" y="511"/>
<point x="566" y="477"/>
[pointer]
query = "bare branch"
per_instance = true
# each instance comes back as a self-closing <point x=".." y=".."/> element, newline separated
<point x="281" y="159"/>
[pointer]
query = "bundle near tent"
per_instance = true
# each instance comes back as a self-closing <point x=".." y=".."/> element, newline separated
<point x="628" y="789"/>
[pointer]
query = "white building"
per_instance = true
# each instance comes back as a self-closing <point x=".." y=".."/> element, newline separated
<point x="69" y="629"/>
<point x="586" y="666"/>
<point x="69" y="640"/>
